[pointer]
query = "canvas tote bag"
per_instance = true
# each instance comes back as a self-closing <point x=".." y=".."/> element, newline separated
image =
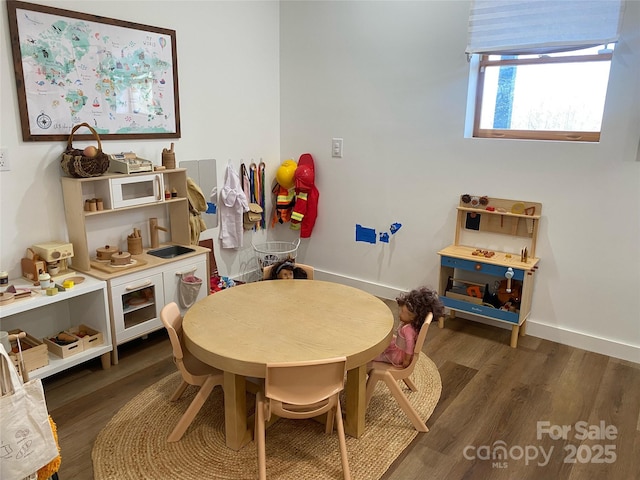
<point x="26" y="438"/>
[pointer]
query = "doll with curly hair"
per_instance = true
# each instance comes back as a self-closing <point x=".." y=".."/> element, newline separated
<point x="414" y="306"/>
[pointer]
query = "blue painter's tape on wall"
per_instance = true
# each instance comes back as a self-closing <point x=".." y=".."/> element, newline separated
<point x="364" y="234"/>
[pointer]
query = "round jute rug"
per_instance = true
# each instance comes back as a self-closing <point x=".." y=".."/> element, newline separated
<point x="133" y="444"/>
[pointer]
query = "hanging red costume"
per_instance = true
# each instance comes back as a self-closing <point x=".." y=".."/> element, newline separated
<point x="305" y="211"/>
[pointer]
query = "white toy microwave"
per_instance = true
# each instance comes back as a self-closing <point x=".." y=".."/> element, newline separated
<point x="135" y="190"/>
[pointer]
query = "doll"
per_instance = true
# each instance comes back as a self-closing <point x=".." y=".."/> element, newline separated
<point x="414" y="307"/>
<point x="287" y="270"/>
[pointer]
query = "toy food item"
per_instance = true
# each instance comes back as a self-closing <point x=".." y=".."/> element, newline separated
<point x="63" y="339"/>
<point x="90" y="151"/>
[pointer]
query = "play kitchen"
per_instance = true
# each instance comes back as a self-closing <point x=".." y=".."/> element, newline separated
<point x="139" y="243"/>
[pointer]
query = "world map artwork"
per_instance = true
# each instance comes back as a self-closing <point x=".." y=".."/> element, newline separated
<point x="119" y="80"/>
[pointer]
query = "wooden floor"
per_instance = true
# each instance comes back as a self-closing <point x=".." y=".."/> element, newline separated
<point x="493" y="396"/>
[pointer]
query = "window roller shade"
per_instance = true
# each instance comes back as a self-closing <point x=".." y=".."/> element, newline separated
<point x="540" y="26"/>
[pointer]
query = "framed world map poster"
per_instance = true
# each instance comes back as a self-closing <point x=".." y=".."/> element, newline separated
<point x="119" y="77"/>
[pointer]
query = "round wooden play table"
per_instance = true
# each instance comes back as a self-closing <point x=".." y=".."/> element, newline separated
<point x="241" y="329"/>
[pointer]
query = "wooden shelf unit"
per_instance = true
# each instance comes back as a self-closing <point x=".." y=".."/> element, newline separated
<point x="77" y="190"/>
<point x="42" y="316"/>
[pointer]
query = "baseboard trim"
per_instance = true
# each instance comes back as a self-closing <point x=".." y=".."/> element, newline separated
<point x="585" y="341"/>
<point x="383" y="291"/>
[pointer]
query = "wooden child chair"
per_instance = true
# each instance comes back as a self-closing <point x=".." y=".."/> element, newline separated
<point x="193" y="371"/>
<point x="390" y="374"/>
<point x="301" y="390"/>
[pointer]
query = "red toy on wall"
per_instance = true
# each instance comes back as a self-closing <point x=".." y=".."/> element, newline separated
<point x="305" y="211"/>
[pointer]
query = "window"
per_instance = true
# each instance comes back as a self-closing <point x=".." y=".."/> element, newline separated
<point x="540" y="68"/>
<point x="555" y="96"/>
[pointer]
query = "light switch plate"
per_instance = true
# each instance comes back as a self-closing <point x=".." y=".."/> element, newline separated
<point x="336" y="147"/>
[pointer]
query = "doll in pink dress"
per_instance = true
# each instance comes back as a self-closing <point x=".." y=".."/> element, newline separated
<point x="413" y="310"/>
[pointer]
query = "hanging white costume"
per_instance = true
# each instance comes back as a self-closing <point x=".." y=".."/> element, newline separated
<point x="233" y="203"/>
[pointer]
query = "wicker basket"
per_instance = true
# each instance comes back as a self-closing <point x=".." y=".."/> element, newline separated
<point x="76" y="164"/>
<point x="272" y="252"/>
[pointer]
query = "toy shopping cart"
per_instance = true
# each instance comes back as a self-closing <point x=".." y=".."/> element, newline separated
<point x="28" y="440"/>
<point x="273" y="252"/>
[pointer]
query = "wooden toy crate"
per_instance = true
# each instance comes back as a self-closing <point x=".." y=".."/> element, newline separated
<point x="87" y="335"/>
<point x="34" y="352"/>
<point x="64" y="351"/>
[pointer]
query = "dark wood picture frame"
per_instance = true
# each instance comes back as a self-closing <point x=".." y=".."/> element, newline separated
<point x="120" y="77"/>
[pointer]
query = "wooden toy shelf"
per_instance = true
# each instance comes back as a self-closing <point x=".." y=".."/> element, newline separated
<point x="41" y="315"/>
<point x="485" y="283"/>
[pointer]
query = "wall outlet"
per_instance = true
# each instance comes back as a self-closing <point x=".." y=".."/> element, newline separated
<point x="4" y="159"/>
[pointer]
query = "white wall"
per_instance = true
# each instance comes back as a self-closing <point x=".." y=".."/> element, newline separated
<point x="391" y="79"/>
<point x="229" y="103"/>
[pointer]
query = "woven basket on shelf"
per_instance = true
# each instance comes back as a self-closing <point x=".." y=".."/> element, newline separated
<point x="76" y="164"/>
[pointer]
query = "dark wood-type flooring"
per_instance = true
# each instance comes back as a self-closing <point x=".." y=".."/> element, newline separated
<point x="492" y="396"/>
